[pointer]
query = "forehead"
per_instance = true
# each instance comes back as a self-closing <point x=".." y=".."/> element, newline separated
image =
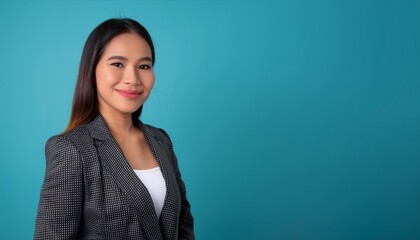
<point x="128" y="44"/>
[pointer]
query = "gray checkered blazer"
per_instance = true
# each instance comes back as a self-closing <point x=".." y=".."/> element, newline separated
<point x="91" y="192"/>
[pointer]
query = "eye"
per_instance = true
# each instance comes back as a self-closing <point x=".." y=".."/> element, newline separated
<point x="117" y="64"/>
<point x="145" y="66"/>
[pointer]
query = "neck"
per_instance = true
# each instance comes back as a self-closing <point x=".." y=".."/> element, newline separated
<point x="120" y="125"/>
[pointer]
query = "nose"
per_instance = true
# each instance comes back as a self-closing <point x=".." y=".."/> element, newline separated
<point x="132" y="76"/>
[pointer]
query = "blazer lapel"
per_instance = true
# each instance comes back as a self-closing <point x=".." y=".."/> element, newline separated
<point x="113" y="160"/>
<point x="169" y="215"/>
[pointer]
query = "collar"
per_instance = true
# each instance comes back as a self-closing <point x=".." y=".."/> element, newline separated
<point x="99" y="129"/>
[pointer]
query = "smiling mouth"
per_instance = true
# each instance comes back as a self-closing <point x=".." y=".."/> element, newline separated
<point x="128" y="93"/>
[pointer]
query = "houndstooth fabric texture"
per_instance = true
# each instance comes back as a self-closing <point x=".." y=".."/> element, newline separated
<point x="91" y="192"/>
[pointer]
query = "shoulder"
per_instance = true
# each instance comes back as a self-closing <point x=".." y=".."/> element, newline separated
<point x="66" y="142"/>
<point x="151" y="128"/>
<point x="62" y="155"/>
<point x="158" y="133"/>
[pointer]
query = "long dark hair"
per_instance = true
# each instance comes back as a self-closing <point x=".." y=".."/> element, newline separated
<point x="85" y="105"/>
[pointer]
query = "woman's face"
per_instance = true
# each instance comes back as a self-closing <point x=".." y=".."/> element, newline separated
<point x="124" y="75"/>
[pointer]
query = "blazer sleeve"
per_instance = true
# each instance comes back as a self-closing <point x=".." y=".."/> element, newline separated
<point x="186" y="220"/>
<point x="60" y="205"/>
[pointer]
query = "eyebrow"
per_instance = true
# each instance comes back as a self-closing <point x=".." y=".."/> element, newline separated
<point x="125" y="59"/>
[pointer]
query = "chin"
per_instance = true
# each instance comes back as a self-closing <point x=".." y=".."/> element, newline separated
<point x="127" y="111"/>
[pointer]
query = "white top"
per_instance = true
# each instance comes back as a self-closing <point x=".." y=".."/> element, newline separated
<point x="155" y="184"/>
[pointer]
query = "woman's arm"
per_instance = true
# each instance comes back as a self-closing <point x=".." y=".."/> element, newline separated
<point x="60" y="205"/>
<point x="186" y="220"/>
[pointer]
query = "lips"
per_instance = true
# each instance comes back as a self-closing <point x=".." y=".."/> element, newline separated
<point x="128" y="93"/>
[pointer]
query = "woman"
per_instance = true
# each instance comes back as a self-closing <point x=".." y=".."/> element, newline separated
<point x="109" y="176"/>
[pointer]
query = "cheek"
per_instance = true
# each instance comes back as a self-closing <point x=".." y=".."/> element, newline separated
<point x="99" y="75"/>
<point x="105" y="76"/>
<point x="148" y="79"/>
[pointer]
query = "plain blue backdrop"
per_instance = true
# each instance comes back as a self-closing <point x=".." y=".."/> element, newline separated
<point x="292" y="119"/>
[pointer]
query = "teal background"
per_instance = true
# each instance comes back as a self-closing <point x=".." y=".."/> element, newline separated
<point x="292" y="119"/>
